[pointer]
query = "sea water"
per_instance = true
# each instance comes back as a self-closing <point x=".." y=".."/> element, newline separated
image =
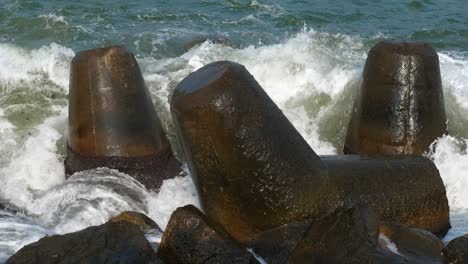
<point x="307" y="55"/>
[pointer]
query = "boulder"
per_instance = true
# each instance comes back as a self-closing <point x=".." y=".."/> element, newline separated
<point x="400" y="106"/>
<point x="112" y="122"/>
<point x="252" y="169"/>
<point x="191" y="238"/>
<point x="138" y="219"/>
<point x="152" y="231"/>
<point x="456" y="252"/>
<point x="405" y="190"/>
<point x="114" y="242"/>
<point x="414" y="244"/>
<point x="275" y="245"/>
<point x="348" y="235"/>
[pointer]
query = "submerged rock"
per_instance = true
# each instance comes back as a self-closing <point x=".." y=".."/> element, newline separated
<point x="456" y="252"/>
<point x="252" y="168"/>
<point x="405" y="190"/>
<point x="191" y="238"/>
<point x="114" y="242"/>
<point x="216" y="39"/>
<point x="112" y="121"/>
<point x="400" y="106"/>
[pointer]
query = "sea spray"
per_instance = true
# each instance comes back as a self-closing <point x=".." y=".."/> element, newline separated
<point x="450" y="156"/>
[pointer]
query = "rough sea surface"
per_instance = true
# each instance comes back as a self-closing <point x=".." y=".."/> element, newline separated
<point x="307" y="55"/>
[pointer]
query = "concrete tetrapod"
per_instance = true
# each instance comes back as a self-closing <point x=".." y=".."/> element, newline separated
<point x="252" y="169"/>
<point x="405" y="190"/>
<point x="112" y="121"/>
<point x="400" y="107"/>
<point x="255" y="172"/>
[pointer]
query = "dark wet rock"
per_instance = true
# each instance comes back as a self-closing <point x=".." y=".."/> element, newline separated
<point x="216" y="39"/>
<point x="456" y="252"/>
<point x="114" y="242"/>
<point x="405" y="190"/>
<point x="252" y="168"/>
<point x="352" y="236"/>
<point x="190" y="238"/>
<point x="145" y="223"/>
<point x="400" y="107"/>
<point x="414" y="244"/>
<point x="138" y="219"/>
<point x="112" y="121"/>
<point x="344" y="236"/>
<point x="275" y="245"/>
<point x="348" y="235"/>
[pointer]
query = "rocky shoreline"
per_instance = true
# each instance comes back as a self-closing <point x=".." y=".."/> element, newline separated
<point x="260" y="184"/>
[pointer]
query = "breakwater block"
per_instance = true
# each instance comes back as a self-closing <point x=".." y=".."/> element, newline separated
<point x="400" y="106"/>
<point x="405" y="190"/>
<point x="112" y="120"/>
<point x="254" y="171"/>
<point x="252" y="168"/>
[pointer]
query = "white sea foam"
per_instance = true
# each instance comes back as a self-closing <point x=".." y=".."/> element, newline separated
<point x="454" y="69"/>
<point x="174" y="193"/>
<point x="53" y="18"/>
<point x="451" y="159"/>
<point x="19" y="65"/>
<point x="36" y="165"/>
<point x="387" y="244"/>
<point x="292" y="73"/>
<point x="259" y="258"/>
<point x="7" y="138"/>
<point x="17" y="231"/>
